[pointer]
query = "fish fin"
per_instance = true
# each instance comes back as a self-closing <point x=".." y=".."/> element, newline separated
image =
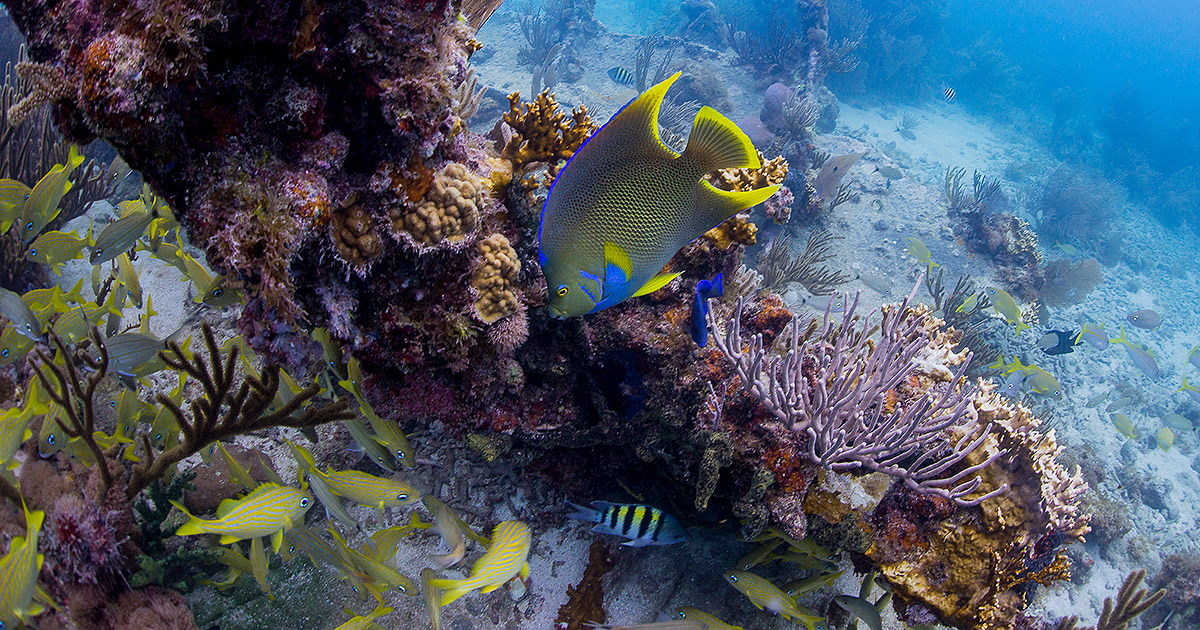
<point x="450" y="590"/>
<point x="524" y="572"/>
<point x="225" y="539"/>
<point x="715" y="142"/>
<point x="224" y="507"/>
<point x="585" y="514"/>
<point x="617" y="266"/>
<point x="277" y="540"/>
<point x="713" y="205"/>
<point x="489" y="588"/>
<point x="656" y="283"/>
<point x="718" y="286"/>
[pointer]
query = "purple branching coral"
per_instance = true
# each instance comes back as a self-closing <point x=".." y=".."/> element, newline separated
<point x="833" y="386"/>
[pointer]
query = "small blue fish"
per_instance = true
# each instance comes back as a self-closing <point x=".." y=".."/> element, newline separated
<point x="699" y="322"/>
<point x="621" y="76"/>
<point x="1012" y="385"/>
<point x="641" y="524"/>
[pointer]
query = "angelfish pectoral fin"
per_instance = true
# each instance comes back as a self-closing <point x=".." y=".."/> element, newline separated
<point x="617" y="266"/>
<point x="656" y="283"/>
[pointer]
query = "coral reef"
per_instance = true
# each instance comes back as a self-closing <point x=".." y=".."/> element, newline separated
<point x="448" y="212"/>
<point x="1075" y="204"/>
<point x="779" y="266"/>
<point x="539" y="131"/>
<point x="495" y="279"/>
<point x="1006" y="239"/>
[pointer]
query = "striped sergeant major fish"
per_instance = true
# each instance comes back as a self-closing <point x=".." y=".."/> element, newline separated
<point x="643" y="525"/>
<point x="621" y="76"/>
<point x="948" y="94"/>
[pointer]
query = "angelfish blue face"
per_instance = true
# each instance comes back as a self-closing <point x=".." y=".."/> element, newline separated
<point x="574" y="293"/>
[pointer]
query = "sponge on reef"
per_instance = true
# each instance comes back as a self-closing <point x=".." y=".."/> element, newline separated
<point x="495" y="278"/>
<point x="449" y="211"/>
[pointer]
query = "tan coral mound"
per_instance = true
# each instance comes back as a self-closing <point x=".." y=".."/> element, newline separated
<point x="449" y="211"/>
<point x="966" y="566"/>
<point x="495" y="279"/>
<point x="355" y="237"/>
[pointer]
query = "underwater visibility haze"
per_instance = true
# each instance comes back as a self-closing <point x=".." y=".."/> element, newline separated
<point x="557" y="314"/>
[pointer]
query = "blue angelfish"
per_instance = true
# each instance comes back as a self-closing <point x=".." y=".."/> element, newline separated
<point x="626" y="202"/>
<point x="699" y="323"/>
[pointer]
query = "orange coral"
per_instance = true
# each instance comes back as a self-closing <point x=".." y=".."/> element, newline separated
<point x="772" y="173"/>
<point x="736" y="229"/>
<point x="540" y="131"/>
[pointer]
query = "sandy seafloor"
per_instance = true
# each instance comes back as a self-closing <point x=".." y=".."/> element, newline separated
<point x="648" y="584"/>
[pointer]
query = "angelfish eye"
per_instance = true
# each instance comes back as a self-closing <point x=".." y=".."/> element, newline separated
<point x="562" y="290"/>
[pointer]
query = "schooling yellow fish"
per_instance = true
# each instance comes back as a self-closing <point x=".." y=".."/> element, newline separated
<point x="128" y="277"/>
<point x="362" y="622"/>
<point x="267" y="511"/>
<point x="766" y="596"/>
<point x="19" y="574"/>
<point x="709" y="622"/>
<point x="56" y="248"/>
<point x="14" y="428"/>
<point x="1007" y="306"/>
<point x="387" y="432"/>
<point x="507" y="558"/>
<point x="360" y="487"/>
<point x="42" y="204"/>
<point x="918" y="250"/>
<point x="626" y="202"/>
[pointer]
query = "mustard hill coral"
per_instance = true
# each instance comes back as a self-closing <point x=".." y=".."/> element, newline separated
<point x="448" y="213"/>
<point x="355" y="237"/>
<point x="494" y="280"/>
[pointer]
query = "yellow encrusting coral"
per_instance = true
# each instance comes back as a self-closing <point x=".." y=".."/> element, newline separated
<point x="494" y="279"/>
<point x="449" y="211"/>
<point x="738" y="228"/>
<point x="541" y="132"/>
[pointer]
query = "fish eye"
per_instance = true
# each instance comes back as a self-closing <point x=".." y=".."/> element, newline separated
<point x="732" y="577"/>
<point x="29" y="225"/>
<point x="32" y="251"/>
<point x="218" y="292"/>
<point x="402" y="589"/>
<point x="4" y="354"/>
<point x="304" y="502"/>
<point x="50" y="440"/>
<point x="291" y="549"/>
<point x="562" y="290"/>
<point x="402" y="496"/>
<point x="399" y="454"/>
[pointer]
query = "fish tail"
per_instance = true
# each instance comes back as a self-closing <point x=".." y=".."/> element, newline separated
<point x="193" y="524"/>
<point x="716" y="143"/>
<point x="582" y="513"/>
<point x="718" y="286"/>
<point x="451" y="590"/>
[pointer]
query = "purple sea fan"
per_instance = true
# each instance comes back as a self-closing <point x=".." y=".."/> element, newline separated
<point x="81" y="543"/>
<point x="831" y="385"/>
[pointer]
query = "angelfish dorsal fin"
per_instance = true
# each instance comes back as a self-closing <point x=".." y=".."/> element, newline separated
<point x="635" y="127"/>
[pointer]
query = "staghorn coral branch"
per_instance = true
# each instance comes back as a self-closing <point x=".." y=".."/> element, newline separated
<point x="226" y="409"/>
<point x="70" y="387"/>
<point x="831" y="386"/>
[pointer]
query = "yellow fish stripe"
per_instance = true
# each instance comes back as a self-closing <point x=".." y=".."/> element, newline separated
<point x="266" y="511"/>
<point x="507" y="558"/>
<point x="19" y="573"/>
<point x="41" y="206"/>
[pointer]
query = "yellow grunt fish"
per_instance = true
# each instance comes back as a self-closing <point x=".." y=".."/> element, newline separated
<point x="1006" y="305"/>
<point x="14" y="428"/>
<point x="56" y="248"/>
<point x="431" y="595"/>
<point x="387" y="432"/>
<point x="448" y="529"/>
<point x="765" y="595"/>
<point x="360" y="487"/>
<point x="710" y="622"/>
<point x="362" y="622"/>
<point x="507" y="558"/>
<point x="42" y="204"/>
<point x="626" y="202"/>
<point x="917" y="249"/>
<point x="19" y="570"/>
<point x="267" y="511"/>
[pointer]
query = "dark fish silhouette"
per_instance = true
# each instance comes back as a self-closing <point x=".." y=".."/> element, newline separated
<point x="699" y="325"/>
<point x="1056" y="342"/>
